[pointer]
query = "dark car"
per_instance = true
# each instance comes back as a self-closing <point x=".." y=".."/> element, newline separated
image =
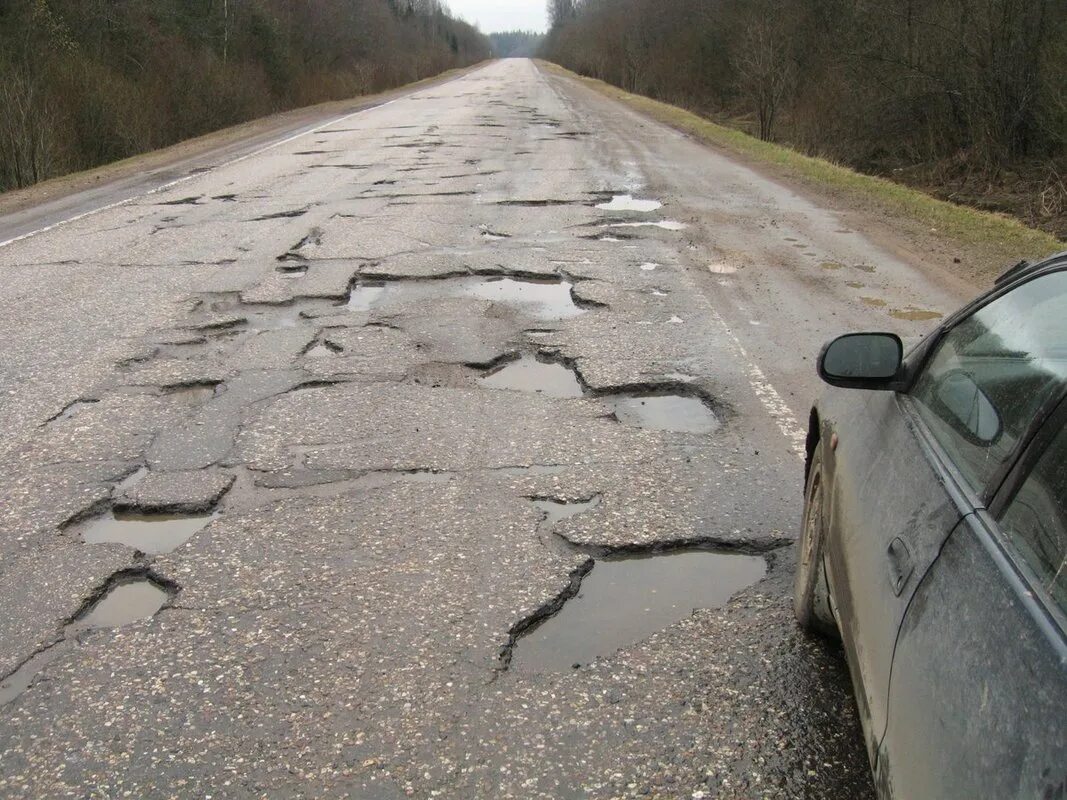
<point x="935" y="542"/>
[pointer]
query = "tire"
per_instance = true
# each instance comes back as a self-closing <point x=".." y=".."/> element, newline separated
<point x="811" y="601"/>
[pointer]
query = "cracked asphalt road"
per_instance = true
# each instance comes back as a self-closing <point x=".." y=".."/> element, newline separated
<point x="296" y="340"/>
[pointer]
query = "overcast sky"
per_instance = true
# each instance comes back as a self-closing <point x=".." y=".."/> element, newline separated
<point x="502" y="15"/>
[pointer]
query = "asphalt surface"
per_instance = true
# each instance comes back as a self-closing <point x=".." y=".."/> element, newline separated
<point x="295" y="347"/>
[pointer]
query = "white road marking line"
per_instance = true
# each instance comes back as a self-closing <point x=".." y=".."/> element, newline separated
<point x="171" y="184"/>
<point x="772" y="402"/>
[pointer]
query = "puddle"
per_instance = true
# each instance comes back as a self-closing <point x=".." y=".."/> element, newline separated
<point x="124" y="603"/>
<point x="149" y="533"/>
<point x="666" y="224"/>
<point x="865" y="267"/>
<point x="557" y="510"/>
<point x="832" y="265"/>
<point x="127" y="600"/>
<point x="625" y="202"/>
<point x="873" y="302"/>
<point x="915" y="314"/>
<point x="528" y="374"/>
<point x="624" y="600"/>
<point x="664" y="412"/>
<point x="549" y="299"/>
<point x="276" y="318"/>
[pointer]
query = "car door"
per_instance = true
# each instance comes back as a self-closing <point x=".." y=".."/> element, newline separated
<point x="979" y="682"/>
<point x="890" y="510"/>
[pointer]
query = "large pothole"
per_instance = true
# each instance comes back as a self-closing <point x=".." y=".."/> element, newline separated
<point x="624" y="600"/>
<point x="664" y="412"/>
<point x="529" y="373"/>
<point x="149" y="533"/>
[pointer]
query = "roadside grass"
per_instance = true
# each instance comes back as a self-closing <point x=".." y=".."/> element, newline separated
<point x="1003" y="238"/>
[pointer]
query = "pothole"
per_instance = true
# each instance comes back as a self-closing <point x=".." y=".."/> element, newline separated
<point x="149" y="533"/>
<point x="532" y="374"/>
<point x="664" y="412"/>
<point x="914" y="314"/>
<point x="625" y="202"/>
<point x="558" y="510"/>
<point x="127" y="598"/>
<point x="665" y="224"/>
<point x="547" y="299"/>
<point x="624" y="600"/>
<point x="125" y="602"/>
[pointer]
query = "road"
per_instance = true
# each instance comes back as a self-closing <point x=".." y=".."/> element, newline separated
<point x="394" y="391"/>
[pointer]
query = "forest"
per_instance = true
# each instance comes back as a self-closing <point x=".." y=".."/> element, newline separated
<point x="87" y="82"/>
<point x="966" y="99"/>
<point x="515" y="44"/>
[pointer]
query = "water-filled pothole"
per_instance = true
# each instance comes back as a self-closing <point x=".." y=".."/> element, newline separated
<point x="626" y="202"/>
<point x="624" y="600"/>
<point x="665" y="224"/>
<point x="530" y="374"/>
<point x="127" y="600"/>
<point x="664" y="412"/>
<point x="547" y="299"/>
<point x="149" y="533"/>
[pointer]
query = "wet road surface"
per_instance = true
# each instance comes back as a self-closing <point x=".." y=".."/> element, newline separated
<point x="297" y="453"/>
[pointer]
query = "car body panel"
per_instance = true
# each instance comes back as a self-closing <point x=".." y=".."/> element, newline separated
<point x="977" y="695"/>
<point x="889" y="512"/>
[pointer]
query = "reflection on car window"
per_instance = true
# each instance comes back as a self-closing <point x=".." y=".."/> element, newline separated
<point x="1035" y="521"/>
<point x="992" y="373"/>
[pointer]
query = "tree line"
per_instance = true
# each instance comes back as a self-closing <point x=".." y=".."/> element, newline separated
<point x="86" y="82"/>
<point x="963" y="94"/>
<point x="515" y="44"/>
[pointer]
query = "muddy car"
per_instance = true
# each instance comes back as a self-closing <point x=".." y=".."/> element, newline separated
<point x="934" y="542"/>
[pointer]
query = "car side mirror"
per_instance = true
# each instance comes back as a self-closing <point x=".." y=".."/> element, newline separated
<point x="863" y="361"/>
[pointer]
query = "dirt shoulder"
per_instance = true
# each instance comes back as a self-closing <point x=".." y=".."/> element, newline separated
<point x="224" y="143"/>
<point x="968" y="245"/>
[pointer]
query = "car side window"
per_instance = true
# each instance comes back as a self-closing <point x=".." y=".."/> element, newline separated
<point x="1035" y="521"/>
<point x="992" y="373"/>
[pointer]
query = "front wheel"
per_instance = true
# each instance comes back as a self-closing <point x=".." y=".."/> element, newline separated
<point x="810" y="596"/>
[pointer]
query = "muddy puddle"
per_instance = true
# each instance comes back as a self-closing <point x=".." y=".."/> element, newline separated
<point x="548" y="299"/>
<point x="530" y="374"/>
<point x="149" y="533"/>
<point x="626" y="202"/>
<point x="665" y="224"/>
<point x="127" y="600"/>
<point x="664" y="412"/>
<point x="623" y="601"/>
